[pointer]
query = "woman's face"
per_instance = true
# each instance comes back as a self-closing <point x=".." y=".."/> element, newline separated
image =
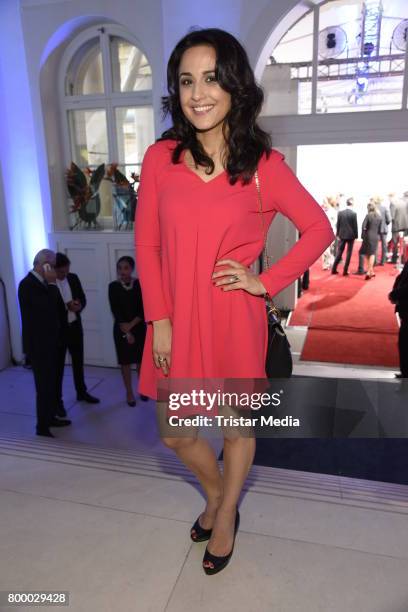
<point x="203" y="101"/>
<point x="124" y="271"/>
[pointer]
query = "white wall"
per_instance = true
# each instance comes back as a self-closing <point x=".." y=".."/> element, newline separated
<point x="22" y="231"/>
<point x="258" y="25"/>
<point x="6" y="269"/>
<point x="93" y="256"/>
<point x="181" y="15"/>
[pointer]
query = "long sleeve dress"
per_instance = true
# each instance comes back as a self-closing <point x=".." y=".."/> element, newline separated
<point x="183" y="226"/>
<point x="126" y="304"/>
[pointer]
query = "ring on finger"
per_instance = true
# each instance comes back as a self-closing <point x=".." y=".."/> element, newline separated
<point x="234" y="278"/>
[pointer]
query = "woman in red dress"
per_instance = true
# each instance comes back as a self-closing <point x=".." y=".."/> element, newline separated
<point x="197" y="232"/>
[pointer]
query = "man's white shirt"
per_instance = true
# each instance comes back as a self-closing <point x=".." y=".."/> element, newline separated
<point x="66" y="293"/>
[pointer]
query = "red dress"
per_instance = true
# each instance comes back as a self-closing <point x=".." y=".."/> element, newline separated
<point x="183" y="226"/>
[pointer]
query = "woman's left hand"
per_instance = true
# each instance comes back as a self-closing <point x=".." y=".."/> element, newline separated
<point x="124" y="327"/>
<point x="246" y="278"/>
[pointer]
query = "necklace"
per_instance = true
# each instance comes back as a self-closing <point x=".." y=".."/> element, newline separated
<point x="127" y="286"/>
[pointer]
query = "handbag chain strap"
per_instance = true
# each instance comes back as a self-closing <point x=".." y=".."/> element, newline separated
<point x="266" y="257"/>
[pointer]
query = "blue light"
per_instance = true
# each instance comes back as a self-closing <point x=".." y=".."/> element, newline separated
<point x="20" y="174"/>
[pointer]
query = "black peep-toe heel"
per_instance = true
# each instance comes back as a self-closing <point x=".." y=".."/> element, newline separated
<point x="220" y="562"/>
<point x="201" y="534"/>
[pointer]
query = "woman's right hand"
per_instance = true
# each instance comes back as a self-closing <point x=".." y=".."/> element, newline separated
<point x="162" y="331"/>
<point x="130" y="338"/>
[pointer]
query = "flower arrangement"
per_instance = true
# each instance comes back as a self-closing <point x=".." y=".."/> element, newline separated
<point x="124" y="196"/>
<point x="83" y="188"/>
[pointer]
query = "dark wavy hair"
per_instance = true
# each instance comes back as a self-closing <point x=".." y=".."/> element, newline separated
<point x="61" y="260"/>
<point x="246" y="141"/>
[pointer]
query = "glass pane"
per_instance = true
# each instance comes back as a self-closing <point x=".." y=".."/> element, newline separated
<point x="85" y="74"/>
<point x="99" y="206"/>
<point x="394" y="39"/>
<point x="105" y="194"/>
<point x="135" y="132"/>
<point x="361" y="62"/>
<point x="130" y="68"/>
<point x="287" y="79"/>
<point x="359" y="70"/>
<point x="89" y="140"/>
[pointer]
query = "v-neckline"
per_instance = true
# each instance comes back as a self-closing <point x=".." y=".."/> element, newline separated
<point x="195" y="173"/>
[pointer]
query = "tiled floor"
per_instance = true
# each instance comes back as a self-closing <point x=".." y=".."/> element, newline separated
<point x="104" y="510"/>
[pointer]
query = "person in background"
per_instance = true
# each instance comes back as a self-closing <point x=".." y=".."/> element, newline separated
<point x="405" y="199"/>
<point x="360" y="270"/>
<point x="399" y="297"/>
<point x="361" y="257"/>
<point x="303" y="283"/>
<point x="330" y="208"/>
<point x="129" y="328"/>
<point x="306" y="280"/>
<point x="341" y="202"/>
<point x="370" y="233"/>
<point x="74" y="299"/>
<point x="399" y="217"/>
<point x="385" y="221"/>
<point x="347" y="232"/>
<point x="43" y="317"/>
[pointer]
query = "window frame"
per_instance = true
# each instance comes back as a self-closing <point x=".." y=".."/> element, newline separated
<point x="314" y="8"/>
<point x="108" y="101"/>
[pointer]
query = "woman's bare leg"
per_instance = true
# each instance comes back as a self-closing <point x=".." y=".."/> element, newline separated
<point x="239" y="451"/>
<point x="371" y="263"/>
<point x="198" y="456"/>
<point x="238" y="458"/>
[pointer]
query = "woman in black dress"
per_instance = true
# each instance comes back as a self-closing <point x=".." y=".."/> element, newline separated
<point x="370" y="235"/>
<point x="129" y="328"/>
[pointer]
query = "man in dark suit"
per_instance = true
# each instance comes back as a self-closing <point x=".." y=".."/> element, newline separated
<point x="44" y="323"/>
<point x="385" y="221"/>
<point x="347" y="232"/>
<point x="399" y="297"/>
<point x="74" y="299"/>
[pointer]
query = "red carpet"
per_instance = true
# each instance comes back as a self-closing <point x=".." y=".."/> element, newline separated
<point x="349" y="319"/>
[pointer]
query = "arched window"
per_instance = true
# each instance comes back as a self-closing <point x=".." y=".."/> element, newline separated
<point x="341" y="56"/>
<point x="106" y="99"/>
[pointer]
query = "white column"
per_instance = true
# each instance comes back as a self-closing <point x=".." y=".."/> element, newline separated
<point x="22" y="227"/>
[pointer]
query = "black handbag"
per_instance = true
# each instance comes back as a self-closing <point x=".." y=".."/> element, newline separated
<point x="278" y="362"/>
